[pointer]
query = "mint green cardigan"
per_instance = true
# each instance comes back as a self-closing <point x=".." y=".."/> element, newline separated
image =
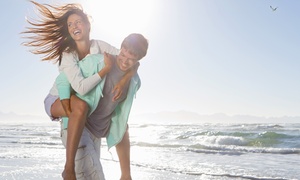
<point x="90" y="65"/>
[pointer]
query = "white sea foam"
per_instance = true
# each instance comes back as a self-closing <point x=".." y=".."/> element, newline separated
<point x="213" y="151"/>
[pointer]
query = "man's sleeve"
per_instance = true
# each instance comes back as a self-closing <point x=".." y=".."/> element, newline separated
<point x="63" y="86"/>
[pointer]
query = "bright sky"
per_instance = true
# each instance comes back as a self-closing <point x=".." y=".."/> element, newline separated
<point x="205" y="56"/>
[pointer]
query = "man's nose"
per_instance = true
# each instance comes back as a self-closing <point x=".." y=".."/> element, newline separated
<point x="127" y="60"/>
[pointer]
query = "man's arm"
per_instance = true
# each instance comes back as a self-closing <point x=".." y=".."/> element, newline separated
<point x="66" y="105"/>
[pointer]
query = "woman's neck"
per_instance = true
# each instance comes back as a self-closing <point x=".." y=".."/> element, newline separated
<point x="83" y="48"/>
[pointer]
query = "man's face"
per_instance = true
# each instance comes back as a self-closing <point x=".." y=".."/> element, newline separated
<point x="126" y="60"/>
<point x="77" y="28"/>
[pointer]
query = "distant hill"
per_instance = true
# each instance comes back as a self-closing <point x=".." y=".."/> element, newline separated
<point x="192" y="117"/>
<point x="167" y="117"/>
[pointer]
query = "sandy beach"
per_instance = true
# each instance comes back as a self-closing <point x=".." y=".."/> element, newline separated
<point x="27" y="168"/>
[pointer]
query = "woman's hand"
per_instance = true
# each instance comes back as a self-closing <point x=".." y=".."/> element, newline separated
<point x="108" y="61"/>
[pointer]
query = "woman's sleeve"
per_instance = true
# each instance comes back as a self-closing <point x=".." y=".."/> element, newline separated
<point x="105" y="47"/>
<point x="63" y="86"/>
<point x="80" y="84"/>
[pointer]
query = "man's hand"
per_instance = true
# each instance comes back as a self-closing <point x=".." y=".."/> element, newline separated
<point x="118" y="89"/>
<point x="67" y="107"/>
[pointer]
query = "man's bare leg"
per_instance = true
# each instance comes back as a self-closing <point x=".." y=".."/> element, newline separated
<point x="123" y="151"/>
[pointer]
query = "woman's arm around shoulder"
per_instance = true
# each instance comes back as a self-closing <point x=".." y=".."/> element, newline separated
<point x="103" y="46"/>
<point x="69" y="65"/>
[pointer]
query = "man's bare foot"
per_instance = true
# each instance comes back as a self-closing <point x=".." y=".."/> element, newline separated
<point x="68" y="175"/>
<point x="125" y="177"/>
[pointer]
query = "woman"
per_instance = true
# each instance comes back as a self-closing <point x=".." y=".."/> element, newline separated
<point x="62" y="35"/>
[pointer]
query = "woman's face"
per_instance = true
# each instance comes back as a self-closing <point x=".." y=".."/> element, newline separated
<point x="78" y="29"/>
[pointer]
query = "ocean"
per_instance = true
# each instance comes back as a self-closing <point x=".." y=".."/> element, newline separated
<point x="162" y="151"/>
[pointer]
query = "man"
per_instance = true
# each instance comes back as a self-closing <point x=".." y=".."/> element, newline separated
<point x="108" y="117"/>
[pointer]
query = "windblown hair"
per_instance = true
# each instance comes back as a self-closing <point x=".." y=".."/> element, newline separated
<point x="49" y="35"/>
<point x="136" y="44"/>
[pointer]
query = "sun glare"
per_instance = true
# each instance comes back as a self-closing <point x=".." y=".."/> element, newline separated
<point x="119" y="17"/>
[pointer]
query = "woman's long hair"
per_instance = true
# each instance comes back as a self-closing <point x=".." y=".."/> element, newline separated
<point x="49" y="35"/>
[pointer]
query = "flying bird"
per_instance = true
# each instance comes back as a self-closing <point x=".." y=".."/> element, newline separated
<point x="273" y="9"/>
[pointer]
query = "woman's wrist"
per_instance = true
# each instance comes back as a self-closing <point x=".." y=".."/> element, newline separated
<point x="104" y="71"/>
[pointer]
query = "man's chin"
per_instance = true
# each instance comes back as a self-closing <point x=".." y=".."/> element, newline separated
<point x="124" y="69"/>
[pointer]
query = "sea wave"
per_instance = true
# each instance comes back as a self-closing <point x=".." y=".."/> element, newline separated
<point x="238" y="150"/>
